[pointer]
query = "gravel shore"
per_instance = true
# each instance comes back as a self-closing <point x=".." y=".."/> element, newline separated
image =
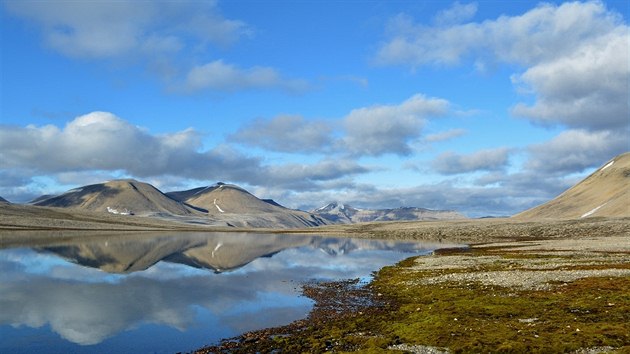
<point x="558" y="264"/>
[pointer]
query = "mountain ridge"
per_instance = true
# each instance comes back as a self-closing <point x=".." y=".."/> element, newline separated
<point x="343" y="213"/>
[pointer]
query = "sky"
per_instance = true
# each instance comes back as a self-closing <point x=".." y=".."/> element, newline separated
<point x="487" y="107"/>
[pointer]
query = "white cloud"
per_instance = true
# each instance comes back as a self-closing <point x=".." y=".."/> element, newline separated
<point x="586" y="89"/>
<point x="383" y="129"/>
<point x="575" y="151"/>
<point x="109" y="29"/>
<point x="445" y="135"/>
<point x="307" y="177"/>
<point x="575" y="57"/>
<point x="483" y="160"/>
<point x="286" y="133"/>
<point x="161" y="35"/>
<point x="102" y="142"/>
<point x="371" y="131"/>
<point x="457" y="13"/>
<point x="218" y="75"/>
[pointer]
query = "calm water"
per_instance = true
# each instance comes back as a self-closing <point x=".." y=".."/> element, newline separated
<point x="166" y="293"/>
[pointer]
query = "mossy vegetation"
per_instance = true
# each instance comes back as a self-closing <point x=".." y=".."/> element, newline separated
<point x="399" y="308"/>
<point x="590" y="312"/>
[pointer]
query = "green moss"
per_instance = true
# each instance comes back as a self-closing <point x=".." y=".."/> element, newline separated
<point x="585" y="313"/>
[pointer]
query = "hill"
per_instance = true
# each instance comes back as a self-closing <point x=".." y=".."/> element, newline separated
<point x="124" y="197"/>
<point x="237" y="207"/>
<point x="606" y="192"/>
<point x="2" y="200"/>
<point x="346" y="214"/>
<point x="41" y="198"/>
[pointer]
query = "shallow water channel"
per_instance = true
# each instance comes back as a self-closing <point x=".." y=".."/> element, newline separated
<point x="168" y="292"/>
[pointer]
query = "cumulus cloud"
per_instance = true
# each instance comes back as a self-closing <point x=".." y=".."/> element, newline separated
<point x="158" y="33"/>
<point x="365" y="131"/>
<point x="484" y="160"/>
<point x="100" y="141"/>
<point x="308" y="177"/>
<point x="218" y="75"/>
<point x="285" y="133"/>
<point x="575" y="57"/>
<point x="109" y="29"/>
<point x="383" y="129"/>
<point x="575" y="151"/>
<point x="445" y="135"/>
<point x="587" y="89"/>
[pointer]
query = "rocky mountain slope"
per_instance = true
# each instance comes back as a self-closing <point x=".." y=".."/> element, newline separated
<point x="237" y="207"/>
<point x="123" y="197"/>
<point x="606" y="192"/>
<point x="346" y="214"/>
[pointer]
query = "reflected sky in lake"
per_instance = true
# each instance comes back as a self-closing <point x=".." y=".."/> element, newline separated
<point x="166" y="293"/>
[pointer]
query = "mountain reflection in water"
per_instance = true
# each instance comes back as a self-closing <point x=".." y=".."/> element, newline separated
<point x="169" y="292"/>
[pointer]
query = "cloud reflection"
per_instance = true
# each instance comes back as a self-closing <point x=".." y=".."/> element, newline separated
<point x="85" y="306"/>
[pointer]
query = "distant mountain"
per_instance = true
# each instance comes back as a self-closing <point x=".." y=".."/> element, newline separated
<point x="125" y="196"/>
<point x="345" y="214"/>
<point x="606" y="192"/>
<point x="4" y="201"/>
<point x="237" y="207"/>
<point x="337" y="213"/>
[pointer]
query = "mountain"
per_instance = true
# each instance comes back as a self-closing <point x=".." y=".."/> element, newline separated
<point x="337" y="213"/>
<point x="125" y="196"/>
<point x="606" y="192"/>
<point x="3" y="201"/>
<point x="345" y="214"/>
<point x="237" y="207"/>
<point x="41" y="198"/>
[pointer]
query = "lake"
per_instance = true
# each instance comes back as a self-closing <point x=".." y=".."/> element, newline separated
<point x="168" y="292"/>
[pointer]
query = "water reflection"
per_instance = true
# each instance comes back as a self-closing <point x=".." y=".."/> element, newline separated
<point x="187" y="290"/>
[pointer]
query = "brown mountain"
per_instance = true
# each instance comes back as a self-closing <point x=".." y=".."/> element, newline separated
<point x="126" y="196"/>
<point x="606" y="192"/>
<point x="237" y="207"/>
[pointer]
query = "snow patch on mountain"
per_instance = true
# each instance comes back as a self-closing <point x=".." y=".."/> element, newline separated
<point x="608" y="165"/>
<point x="218" y="207"/>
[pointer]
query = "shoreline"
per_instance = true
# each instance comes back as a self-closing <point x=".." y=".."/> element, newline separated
<point x="564" y="294"/>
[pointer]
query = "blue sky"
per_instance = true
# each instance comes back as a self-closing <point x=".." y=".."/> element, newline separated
<point x="485" y="107"/>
